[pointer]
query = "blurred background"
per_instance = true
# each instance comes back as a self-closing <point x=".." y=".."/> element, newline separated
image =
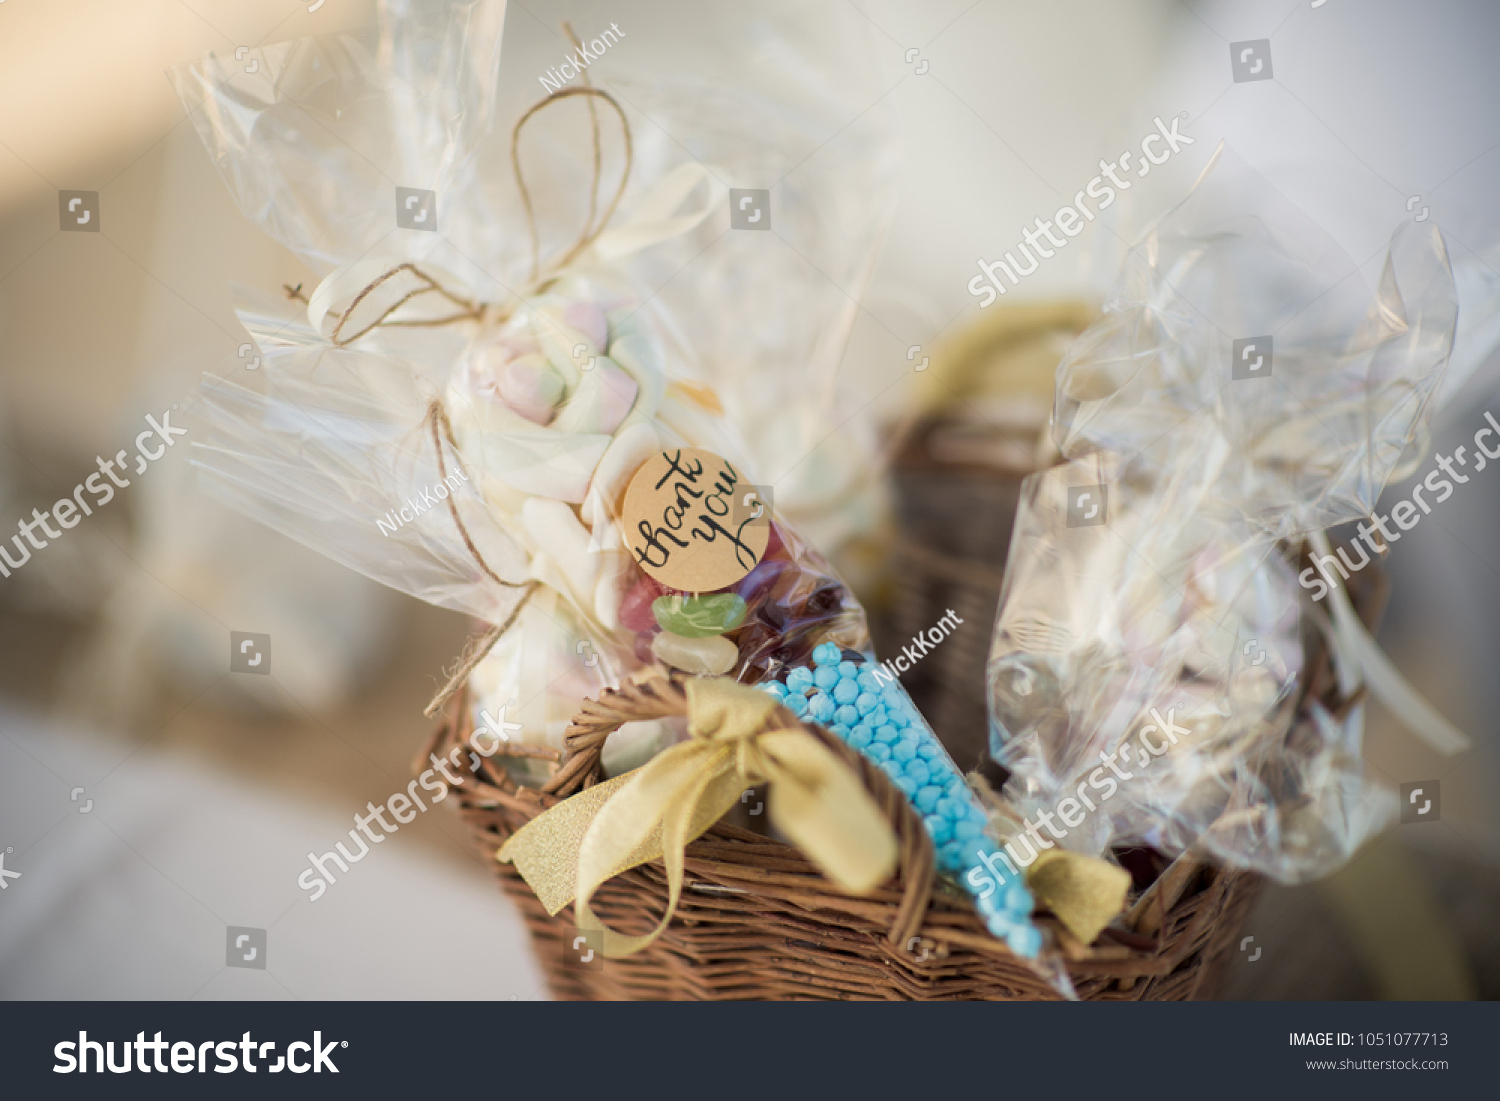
<point x="151" y="798"/>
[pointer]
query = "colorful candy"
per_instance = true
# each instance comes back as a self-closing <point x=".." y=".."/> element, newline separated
<point x="699" y="616"/>
<point x="701" y="656"/>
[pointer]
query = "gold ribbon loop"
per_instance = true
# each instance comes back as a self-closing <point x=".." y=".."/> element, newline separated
<point x="655" y="811"/>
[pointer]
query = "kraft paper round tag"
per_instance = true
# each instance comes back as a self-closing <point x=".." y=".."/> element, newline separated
<point x="691" y="522"/>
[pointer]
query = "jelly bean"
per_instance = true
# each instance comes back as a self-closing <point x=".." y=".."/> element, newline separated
<point x="641" y="647"/>
<point x="702" y="656"/>
<point x="699" y="616"/>
<point x="636" y="608"/>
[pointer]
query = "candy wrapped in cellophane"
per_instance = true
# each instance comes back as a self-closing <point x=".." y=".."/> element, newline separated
<point x="524" y="433"/>
<point x="1243" y="390"/>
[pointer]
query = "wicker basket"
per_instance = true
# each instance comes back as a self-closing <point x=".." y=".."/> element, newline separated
<point x="758" y="921"/>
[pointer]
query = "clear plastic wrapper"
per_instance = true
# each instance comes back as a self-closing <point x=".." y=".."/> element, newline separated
<point x="469" y="421"/>
<point x="1242" y="391"/>
<point x="456" y="414"/>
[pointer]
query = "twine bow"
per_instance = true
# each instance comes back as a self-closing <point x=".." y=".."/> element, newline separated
<point x="656" y="810"/>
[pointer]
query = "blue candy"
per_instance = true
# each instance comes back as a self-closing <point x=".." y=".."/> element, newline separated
<point x="875" y="716"/>
<point x="827" y="653"/>
<point x="1025" y="941"/>
<point x="939" y="828"/>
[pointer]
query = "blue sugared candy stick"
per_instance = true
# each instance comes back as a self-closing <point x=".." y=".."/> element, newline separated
<point x="873" y="714"/>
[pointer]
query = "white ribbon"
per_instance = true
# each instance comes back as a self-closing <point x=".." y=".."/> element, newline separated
<point x="1360" y="658"/>
<point x="652" y="220"/>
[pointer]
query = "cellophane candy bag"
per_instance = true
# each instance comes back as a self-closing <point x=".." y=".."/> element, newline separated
<point x="1243" y="389"/>
<point x="529" y="440"/>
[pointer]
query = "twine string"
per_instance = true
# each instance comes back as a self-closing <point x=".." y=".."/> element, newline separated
<point x="476" y="649"/>
<point x="590" y="231"/>
<point x="594" y="224"/>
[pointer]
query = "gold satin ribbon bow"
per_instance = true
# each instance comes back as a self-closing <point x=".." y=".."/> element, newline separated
<point x="816" y="799"/>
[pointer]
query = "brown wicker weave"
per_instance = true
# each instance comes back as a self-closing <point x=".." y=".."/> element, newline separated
<point x="758" y="921"/>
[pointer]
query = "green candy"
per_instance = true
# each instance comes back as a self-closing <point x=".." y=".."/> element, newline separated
<point x="699" y="616"/>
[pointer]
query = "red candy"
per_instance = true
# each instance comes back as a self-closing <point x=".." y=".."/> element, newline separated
<point x="635" y="609"/>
